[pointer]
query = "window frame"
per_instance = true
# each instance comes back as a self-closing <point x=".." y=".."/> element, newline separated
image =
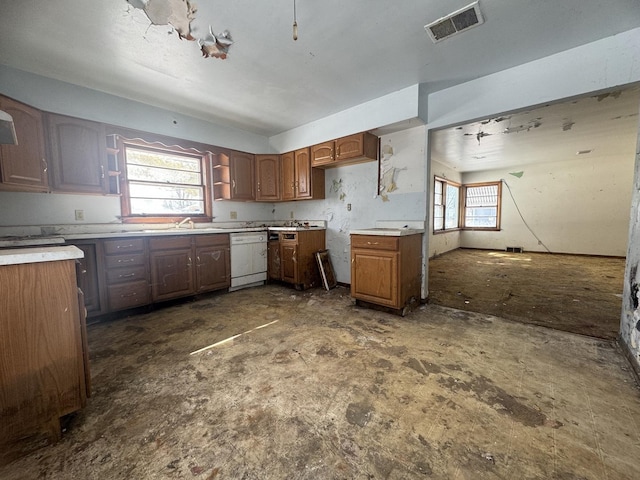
<point x="444" y="183"/>
<point x="205" y="164"/>
<point x="463" y="205"/>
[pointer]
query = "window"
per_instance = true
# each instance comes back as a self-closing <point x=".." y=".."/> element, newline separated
<point x="446" y="205"/>
<point x="481" y="205"/>
<point x="166" y="182"/>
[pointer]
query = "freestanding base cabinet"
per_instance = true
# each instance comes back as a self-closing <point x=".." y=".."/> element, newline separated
<point x="386" y="270"/>
<point x="44" y="371"/>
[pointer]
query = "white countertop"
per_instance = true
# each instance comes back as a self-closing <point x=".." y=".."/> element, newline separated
<point x="16" y="256"/>
<point x="388" y="232"/>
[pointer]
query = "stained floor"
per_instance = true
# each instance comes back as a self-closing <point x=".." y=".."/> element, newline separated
<point x="308" y="386"/>
<point x="574" y="293"/>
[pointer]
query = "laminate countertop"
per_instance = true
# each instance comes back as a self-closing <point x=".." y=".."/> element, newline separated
<point x="15" y="256"/>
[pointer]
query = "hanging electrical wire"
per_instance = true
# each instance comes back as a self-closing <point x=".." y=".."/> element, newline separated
<point x="295" y="22"/>
<point x="540" y="242"/>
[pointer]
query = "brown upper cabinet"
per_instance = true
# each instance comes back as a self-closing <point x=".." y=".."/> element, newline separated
<point x="299" y="180"/>
<point x="23" y="166"/>
<point x="78" y="155"/>
<point x="268" y="178"/>
<point x="233" y="176"/>
<point x="361" y="147"/>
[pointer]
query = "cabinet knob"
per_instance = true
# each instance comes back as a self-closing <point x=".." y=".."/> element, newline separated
<point x="233" y="185"/>
<point x="45" y="165"/>
<point x="101" y="171"/>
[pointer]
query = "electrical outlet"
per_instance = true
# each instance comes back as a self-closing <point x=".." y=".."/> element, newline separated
<point x="348" y="207"/>
<point x="79" y="215"/>
<point x="233" y="215"/>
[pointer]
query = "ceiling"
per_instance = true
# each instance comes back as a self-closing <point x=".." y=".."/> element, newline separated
<point x="599" y="126"/>
<point x="347" y="52"/>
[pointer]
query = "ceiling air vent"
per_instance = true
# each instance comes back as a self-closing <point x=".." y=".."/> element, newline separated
<point x="455" y="22"/>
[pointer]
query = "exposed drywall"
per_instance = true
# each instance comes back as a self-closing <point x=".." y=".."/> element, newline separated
<point x="630" y="319"/>
<point x="577" y="206"/>
<point x="59" y="97"/>
<point x="442" y="242"/>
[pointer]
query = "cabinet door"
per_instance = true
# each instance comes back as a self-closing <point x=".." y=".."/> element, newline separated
<point x="322" y="154"/>
<point x="171" y="274"/>
<point x="23" y="166"/>
<point x="78" y="155"/>
<point x="268" y="178"/>
<point x="288" y="165"/>
<point x="289" y="262"/>
<point x="374" y="276"/>
<point x="242" y="176"/>
<point x="303" y="173"/>
<point x="350" y="147"/>
<point x="212" y="268"/>
<point x="89" y="278"/>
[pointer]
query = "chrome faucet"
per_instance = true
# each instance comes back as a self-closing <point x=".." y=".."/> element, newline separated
<point x="183" y="221"/>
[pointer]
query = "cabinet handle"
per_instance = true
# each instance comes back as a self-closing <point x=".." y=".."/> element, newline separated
<point x="132" y="294"/>
<point x="128" y="260"/>
<point x="125" y="246"/>
<point x="45" y="165"/>
<point x="338" y="152"/>
<point x="189" y="262"/>
<point x="128" y="275"/>
<point x="233" y="185"/>
<point x="101" y="171"/>
<point x="373" y="243"/>
<point x="258" y="186"/>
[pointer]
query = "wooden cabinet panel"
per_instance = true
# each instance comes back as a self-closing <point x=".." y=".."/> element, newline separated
<point x="299" y="180"/>
<point x="361" y="147"/>
<point x="242" y="176"/>
<point x="386" y="270"/>
<point x="268" y="178"/>
<point x="78" y="150"/>
<point x="288" y="262"/>
<point x="125" y="260"/>
<point x="291" y="259"/>
<point x="23" y="166"/>
<point x="213" y="268"/>
<point x="323" y="154"/>
<point x="123" y="245"/>
<point x="122" y="275"/>
<point x="90" y="277"/>
<point x="129" y="295"/>
<point x="171" y="274"/>
<point x="374" y="276"/>
<point x="126" y="273"/>
<point x="42" y="364"/>
<point x="273" y="260"/>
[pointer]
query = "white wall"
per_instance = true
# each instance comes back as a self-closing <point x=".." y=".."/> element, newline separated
<point x="576" y="206"/>
<point x="357" y="185"/>
<point x="441" y="242"/>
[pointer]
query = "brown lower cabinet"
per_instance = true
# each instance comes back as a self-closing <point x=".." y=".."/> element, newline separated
<point x="386" y="270"/>
<point x="44" y="370"/>
<point x="130" y="272"/>
<point x="291" y="258"/>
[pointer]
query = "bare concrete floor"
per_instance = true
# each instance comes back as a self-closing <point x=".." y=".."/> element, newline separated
<point x="326" y="390"/>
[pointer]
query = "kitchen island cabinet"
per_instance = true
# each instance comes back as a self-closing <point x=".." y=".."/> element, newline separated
<point x="386" y="270"/>
<point x="44" y="370"/>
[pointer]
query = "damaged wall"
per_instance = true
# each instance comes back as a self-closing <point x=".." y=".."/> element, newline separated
<point x="630" y="319"/>
<point x="357" y="185"/>
<point x="578" y="206"/>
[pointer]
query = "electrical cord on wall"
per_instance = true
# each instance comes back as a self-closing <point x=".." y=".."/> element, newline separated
<point x="540" y="242"/>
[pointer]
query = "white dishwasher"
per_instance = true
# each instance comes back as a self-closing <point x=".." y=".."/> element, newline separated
<point x="248" y="259"/>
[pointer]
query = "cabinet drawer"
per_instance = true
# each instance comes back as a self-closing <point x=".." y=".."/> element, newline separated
<point x="120" y="275"/>
<point x="170" y="242"/>
<point x="377" y="242"/>
<point x="123" y="245"/>
<point x="131" y="260"/>
<point x="289" y="237"/>
<point x="212" y="240"/>
<point x="129" y="295"/>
